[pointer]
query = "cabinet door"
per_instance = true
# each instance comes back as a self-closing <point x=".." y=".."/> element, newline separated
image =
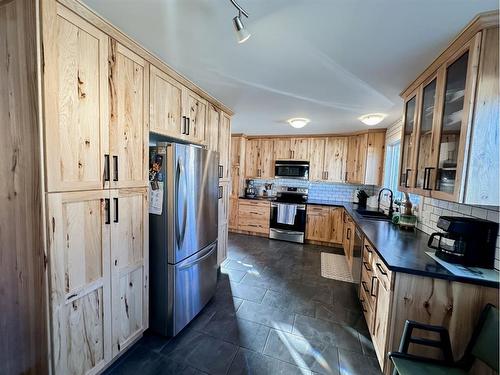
<point x="318" y="223"/>
<point x="381" y="321"/>
<point x="335" y="158"/>
<point x="266" y="160"/>
<point x="222" y="244"/>
<point x="224" y="202"/>
<point x="337" y="221"/>
<point x="165" y="102"/>
<point x="236" y="148"/>
<point x="408" y="142"/>
<point x="252" y="158"/>
<point x="316" y="158"/>
<point x="129" y="266"/>
<point x="299" y="148"/>
<point x="254" y="216"/>
<point x="347" y="234"/>
<point x="128" y="131"/>
<point x="374" y="169"/>
<point x="79" y="240"/>
<point x="282" y="150"/>
<point x="196" y="112"/>
<point x="212" y="129"/>
<point x="425" y="137"/>
<point x="233" y="213"/>
<point x="460" y="76"/>
<point x="224" y="145"/>
<point x="356" y="158"/>
<point x="76" y="102"/>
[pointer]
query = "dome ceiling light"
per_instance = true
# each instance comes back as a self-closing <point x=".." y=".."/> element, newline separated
<point x="372" y="119"/>
<point x="241" y="32"/>
<point x="298" y="122"/>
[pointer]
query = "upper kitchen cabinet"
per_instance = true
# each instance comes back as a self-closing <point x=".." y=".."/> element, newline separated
<point x="316" y="158"/>
<point x="195" y="116"/>
<point x="451" y="122"/>
<point x="335" y="159"/>
<point x="259" y="160"/>
<point x="375" y="153"/>
<point x="224" y="146"/>
<point x="76" y="102"/>
<point x="212" y="129"/>
<point x="128" y="130"/>
<point x="356" y="158"/>
<point x="282" y="149"/>
<point x="238" y="147"/>
<point x="166" y="115"/>
<point x="291" y="149"/>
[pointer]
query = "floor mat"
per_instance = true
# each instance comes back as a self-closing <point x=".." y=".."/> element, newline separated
<point x="334" y="266"/>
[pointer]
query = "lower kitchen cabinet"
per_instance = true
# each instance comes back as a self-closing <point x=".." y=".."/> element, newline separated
<point x="222" y="244"/>
<point x="233" y="213"/>
<point x="98" y="276"/>
<point x="254" y="216"/>
<point x="348" y="239"/>
<point x="324" y="224"/>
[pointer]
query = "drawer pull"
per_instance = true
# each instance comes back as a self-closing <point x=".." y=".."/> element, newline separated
<point x="368" y="249"/>
<point x="381" y="269"/>
<point x="371" y="289"/>
<point x="366" y="266"/>
<point x="363" y="305"/>
<point x="363" y="283"/>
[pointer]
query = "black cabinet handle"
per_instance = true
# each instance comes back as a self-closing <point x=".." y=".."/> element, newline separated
<point x="368" y="249"/>
<point x="188" y="125"/>
<point x="116" y="210"/>
<point x="106" y="167"/>
<point x="115" y="163"/>
<point x="221" y="171"/>
<point x="406" y="177"/>
<point x="363" y="283"/>
<point x="381" y="269"/>
<point x="183" y="126"/>
<point x="106" y="211"/>
<point x="371" y="289"/>
<point x="221" y="191"/>
<point x="348" y="233"/>
<point x="427" y="178"/>
<point x="366" y="266"/>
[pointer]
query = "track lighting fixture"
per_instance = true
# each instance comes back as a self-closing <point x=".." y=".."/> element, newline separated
<point x="241" y="32"/>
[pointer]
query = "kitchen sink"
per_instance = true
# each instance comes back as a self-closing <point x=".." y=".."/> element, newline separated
<point x="374" y="215"/>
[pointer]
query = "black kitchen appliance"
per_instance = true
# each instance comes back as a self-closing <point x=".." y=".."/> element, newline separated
<point x="291" y="169"/>
<point x="466" y="241"/>
<point x="287" y="198"/>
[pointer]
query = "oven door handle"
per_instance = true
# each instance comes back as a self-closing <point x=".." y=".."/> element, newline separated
<point x="300" y="207"/>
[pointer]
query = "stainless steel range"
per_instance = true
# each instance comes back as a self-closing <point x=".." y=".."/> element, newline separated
<point x="288" y="214"/>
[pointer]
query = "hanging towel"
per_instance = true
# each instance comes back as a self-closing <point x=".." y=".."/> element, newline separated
<point x="286" y="213"/>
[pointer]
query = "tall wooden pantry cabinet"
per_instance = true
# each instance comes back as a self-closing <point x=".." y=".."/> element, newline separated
<point x="83" y="98"/>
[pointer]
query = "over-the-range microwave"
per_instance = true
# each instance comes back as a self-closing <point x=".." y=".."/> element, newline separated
<point x="291" y="169"/>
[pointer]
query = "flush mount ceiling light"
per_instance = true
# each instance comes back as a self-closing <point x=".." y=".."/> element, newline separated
<point x="298" y="122"/>
<point x="241" y="32"/>
<point x="372" y="119"/>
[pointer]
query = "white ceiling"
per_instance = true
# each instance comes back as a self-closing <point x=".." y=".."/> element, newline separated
<point x="328" y="60"/>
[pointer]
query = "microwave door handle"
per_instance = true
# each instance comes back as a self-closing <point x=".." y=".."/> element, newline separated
<point x="181" y="232"/>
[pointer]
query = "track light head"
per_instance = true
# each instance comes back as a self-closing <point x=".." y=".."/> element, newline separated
<point x="241" y="32"/>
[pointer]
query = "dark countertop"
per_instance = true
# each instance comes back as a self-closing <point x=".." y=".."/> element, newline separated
<point x="258" y="198"/>
<point x="400" y="250"/>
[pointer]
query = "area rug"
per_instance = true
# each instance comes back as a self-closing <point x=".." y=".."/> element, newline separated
<point x="334" y="266"/>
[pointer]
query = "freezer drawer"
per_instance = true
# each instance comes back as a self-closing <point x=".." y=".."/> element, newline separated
<point x="192" y="284"/>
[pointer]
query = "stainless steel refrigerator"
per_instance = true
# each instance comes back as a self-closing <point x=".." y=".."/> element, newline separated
<point x="183" y="219"/>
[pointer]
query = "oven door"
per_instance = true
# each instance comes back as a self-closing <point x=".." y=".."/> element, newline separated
<point x="292" y="169"/>
<point x="299" y="224"/>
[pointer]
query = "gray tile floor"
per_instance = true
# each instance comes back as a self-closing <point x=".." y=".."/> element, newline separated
<point x="273" y="313"/>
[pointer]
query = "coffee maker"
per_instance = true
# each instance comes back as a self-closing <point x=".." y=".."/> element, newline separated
<point x="467" y="241"/>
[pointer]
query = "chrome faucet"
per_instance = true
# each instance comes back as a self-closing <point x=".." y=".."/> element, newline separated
<point x="391" y="210"/>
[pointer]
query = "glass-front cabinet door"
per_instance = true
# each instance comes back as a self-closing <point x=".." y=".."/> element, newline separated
<point x="453" y="127"/>
<point x="408" y="143"/>
<point x="426" y="127"/>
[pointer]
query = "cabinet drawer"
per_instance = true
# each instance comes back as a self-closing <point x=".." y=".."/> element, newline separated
<point x="382" y="273"/>
<point x="253" y="216"/>
<point x="368" y="252"/>
<point x="369" y="286"/>
<point x="367" y="310"/>
<point x="318" y="210"/>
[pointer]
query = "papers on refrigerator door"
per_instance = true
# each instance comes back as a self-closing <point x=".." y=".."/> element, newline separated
<point x="155" y="197"/>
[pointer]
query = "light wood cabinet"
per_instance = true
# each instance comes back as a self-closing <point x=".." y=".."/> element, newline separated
<point x="195" y="109"/>
<point x="356" y="158"/>
<point x="233" y="213"/>
<point x="129" y="266"/>
<point x="128" y="129"/>
<point x="259" y="159"/>
<point x="282" y="149"/>
<point x="374" y="170"/>
<point x="291" y="149"/>
<point x="80" y="282"/>
<point x="224" y="146"/>
<point x="165" y="112"/>
<point x="324" y="224"/>
<point x="224" y="190"/>
<point x="253" y="216"/>
<point x="335" y="156"/>
<point x="212" y="129"/>
<point x="348" y="239"/>
<point x="448" y="112"/>
<point x="316" y="158"/>
<point x="238" y="147"/>
<point x="76" y="103"/>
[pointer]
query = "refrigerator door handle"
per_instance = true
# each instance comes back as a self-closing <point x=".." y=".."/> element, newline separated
<point x="181" y="229"/>
<point x="205" y="255"/>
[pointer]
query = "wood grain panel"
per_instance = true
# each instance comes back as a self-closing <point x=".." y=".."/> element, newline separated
<point x="233" y="213"/>
<point x="252" y="158"/>
<point x="299" y="148"/>
<point x="76" y="101"/>
<point x="282" y="149"/>
<point x="23" y="319"/>
<point x="128" y="130"/>
<point x="318" y="223"/>
<point x="225" y="145"/>
<point x="375" y="159"/>
<point x="253" y="216"/>
<point x="266" y="160"/>
<point x="165" y="113"/>
<point x="196" y="110"/>
<point x="80" y="289"/>
<point x="212" y="129"/>
<point x="335" y="158"/>
<point x="129" y="268"/>
<point x="316" y="158"/>
<point x="337" y="229"/>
